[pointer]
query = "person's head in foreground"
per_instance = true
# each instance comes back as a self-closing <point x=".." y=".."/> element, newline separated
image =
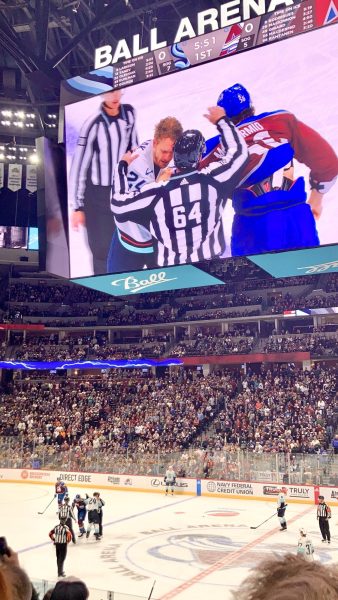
<point x="14" y="581"/>
<point x="290" y="578"/>
<point x="70" y="588"/>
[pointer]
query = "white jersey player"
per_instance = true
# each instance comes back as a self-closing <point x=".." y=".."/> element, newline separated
<point x="142" y="171"/>
<point x="305" y="546"/>
<point x="170" y="480"/>
<point x="281" y="508"/>
<point x="94" y="507"/>
<point x="132" y="246"/>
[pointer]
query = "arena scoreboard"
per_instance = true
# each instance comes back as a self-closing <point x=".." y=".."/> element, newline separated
<point x="295" y="75"/>
<point x="303" y="16"/>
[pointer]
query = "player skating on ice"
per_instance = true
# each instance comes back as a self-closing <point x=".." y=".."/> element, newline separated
<point x="170" y="480"/>
<point x="281" y="508"/>
<point x="184" y="213"/>
<point x="60" y="491"/>
<point x="80" y="504"/>
<point x="94" y="506"/>
<point x="272" y="211"/>
<point x="305" y="546"/>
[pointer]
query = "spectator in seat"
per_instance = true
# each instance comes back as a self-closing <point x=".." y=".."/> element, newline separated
<point x="290" y="578"/>
<point x="335" y="444"/>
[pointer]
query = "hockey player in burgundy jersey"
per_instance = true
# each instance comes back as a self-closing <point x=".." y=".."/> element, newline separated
<point x="272" y="211"/>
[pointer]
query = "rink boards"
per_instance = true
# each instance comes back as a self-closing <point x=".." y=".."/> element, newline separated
<point x="305" y="494"/>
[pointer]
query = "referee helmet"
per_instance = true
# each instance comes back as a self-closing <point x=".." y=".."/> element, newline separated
<point x="188" y="149"/>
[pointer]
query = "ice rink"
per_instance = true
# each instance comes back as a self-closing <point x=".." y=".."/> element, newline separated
<point x="192" y="547"/>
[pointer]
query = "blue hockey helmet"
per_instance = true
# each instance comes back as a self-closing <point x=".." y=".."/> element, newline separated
<point x="77" y="496"/>
<point x="188" y="149"/>
<point x="234" y="100"/>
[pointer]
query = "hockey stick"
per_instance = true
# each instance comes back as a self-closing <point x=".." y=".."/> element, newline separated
<point x="151" y="591"/>
<point x="41" y="513"/>
<point x="274" y="514"/>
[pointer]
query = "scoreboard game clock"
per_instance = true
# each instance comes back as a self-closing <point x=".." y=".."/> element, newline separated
<point x="301" y="17"/>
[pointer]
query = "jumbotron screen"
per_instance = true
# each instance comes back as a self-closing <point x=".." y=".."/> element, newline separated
<point x="216" y="201"/>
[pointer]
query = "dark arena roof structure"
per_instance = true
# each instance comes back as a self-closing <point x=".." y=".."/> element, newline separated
<point x="44" y="41"/>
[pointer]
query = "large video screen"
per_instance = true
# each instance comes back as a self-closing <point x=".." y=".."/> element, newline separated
<point x="155" y="214"/>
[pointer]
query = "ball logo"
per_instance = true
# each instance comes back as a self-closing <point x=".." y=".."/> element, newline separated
<point x="24" y="474"/>
<point x="211" y="486"/>
<point x="133" y="285"/>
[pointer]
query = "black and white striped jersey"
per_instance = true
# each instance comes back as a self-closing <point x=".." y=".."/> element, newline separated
<point x="323" y="510"/>
<point x="61" y="534"/>
<point x="102" y="141"/>
<point x="66" y="512"/>
<point x="185" y="213"/>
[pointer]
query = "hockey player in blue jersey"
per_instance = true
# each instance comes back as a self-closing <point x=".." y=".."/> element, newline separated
<point x="272" y="211"/>
<point x="60" y="491"/>
<point x="80" y="504"/>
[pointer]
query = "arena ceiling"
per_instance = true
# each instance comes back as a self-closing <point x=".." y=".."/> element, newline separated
<point x="44" y="41"/>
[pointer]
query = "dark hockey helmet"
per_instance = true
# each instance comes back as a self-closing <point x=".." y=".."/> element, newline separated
<point x="234" y="100"/>
<point x="188" y="149"/>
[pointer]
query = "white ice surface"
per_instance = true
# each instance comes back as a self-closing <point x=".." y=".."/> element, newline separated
<point x="151" y="537"/>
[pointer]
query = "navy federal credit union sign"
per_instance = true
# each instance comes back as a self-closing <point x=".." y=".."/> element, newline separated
<point x="155" y="280"/>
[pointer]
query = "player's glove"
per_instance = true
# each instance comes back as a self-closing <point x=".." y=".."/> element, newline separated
<point x="55" y="495"/>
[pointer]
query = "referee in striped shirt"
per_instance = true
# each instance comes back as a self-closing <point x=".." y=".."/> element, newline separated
<point x="61" y="536"/>
<point x="323" y="516"/>
<point x="184" y="213"/>
<point x="104" y="138"/>
<point x="66" y="512"/>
